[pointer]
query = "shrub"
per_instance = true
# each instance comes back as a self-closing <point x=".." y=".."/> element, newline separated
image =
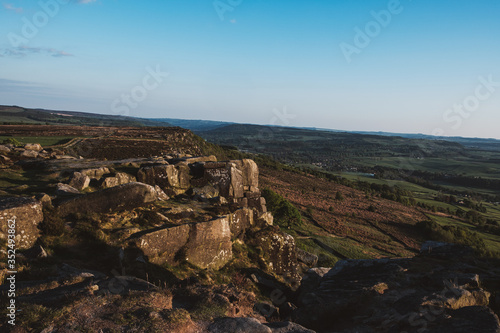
<point x="285" y="214"/>
<point x="452" y="234"/>
<point x="339" y="196"/>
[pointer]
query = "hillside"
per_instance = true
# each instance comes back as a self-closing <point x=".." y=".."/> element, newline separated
<point x="20" y="115"/>
<point x="154" y="229"/>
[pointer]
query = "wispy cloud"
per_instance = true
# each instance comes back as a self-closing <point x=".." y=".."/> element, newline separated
<point x="23" y="51"/>
<point x="85" y="1"/>
<point x="9" y="6"/>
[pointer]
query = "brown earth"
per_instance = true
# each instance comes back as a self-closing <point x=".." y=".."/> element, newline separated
<point x="391" y="222"/>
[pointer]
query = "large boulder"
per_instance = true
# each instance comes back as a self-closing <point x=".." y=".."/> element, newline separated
<point x="29" y="154"/>
<point x="203" y="244"/>
<point x="425" y="293"/>
<point x="118" y="198"/>
<point x="163" y="246"/>
<point x="240" y="221"/>
<point x="209" y="244"/>
<point x="174" y="179"/>
<point x="26" y="214"/>
<point x="4" y="149"/>
<point x="119" y="179"/>
<point x="226" y="177"/>
<point x="79" y="181"/>
<point x="33" y="146"/>
<point x="250" y="174"/>
<point x="280" y="253"/>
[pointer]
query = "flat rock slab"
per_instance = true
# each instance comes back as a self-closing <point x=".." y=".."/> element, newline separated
<point x="118" y="198"/>
<point x="27" y="213"/>
<point x="203" y="244"/>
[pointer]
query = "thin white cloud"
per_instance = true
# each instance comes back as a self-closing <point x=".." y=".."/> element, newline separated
<point x="9" y="6"/>
<point x="85" y="1"/>
<point x="23" y="51"/>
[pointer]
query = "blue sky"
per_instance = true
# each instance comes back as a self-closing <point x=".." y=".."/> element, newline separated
<point x="414" y="66"/>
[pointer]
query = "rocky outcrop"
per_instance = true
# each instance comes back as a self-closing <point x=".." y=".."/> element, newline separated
<point x="22" y="215"/>
<point x="173" y="179"/>
<point x="279" y="252"/>
<point x="163" y="246"/>
<point x="204" y="244"/>
<point x="122" y="197"/>
<point x="209" y="244"/>
<point x="430" y="292"/>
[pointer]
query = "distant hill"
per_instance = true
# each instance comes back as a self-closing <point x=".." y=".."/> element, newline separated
<point x="193" y="125"/>
<point x="19" y="115"/>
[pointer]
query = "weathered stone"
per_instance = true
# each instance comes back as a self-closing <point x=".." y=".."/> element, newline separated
<point x="258" y="203"/>
<point x="119" y="179"/>
<point x="29" y="154"/>
<point x="236" y="183"/>
<point x="65" y="190"/>
<point x="280" y="253"/>
<point x="204" y="244"/>
<point x="250" y="173"/>
<point x="265" y="219"/>
<point x="4" y="149"/>
<point x="210" y="244"/>
<point x="33" y="146"/>
<point x="96" y="173"/>
<point x="25" y="214"/>
<point x="64" y="157"/>
<point x="79" y="181"/>
<point x="307" y="258"/>
<point x="173" y="178"/>
<point x="161" y="195"/>
<point x="240" y="221"/>
<point x="409" y="294"/>
<point x="45" y="199"/>
<point x="184" y="177"/>
<point x="238" y="325"/>
<point x="163" y="246"/>
<point x="204" y="193"/>
<point x="122" y="197"/>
